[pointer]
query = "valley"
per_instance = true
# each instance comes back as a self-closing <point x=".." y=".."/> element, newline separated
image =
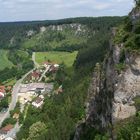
<point x="74" y="78"/>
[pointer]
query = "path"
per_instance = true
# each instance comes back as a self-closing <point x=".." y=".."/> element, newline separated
<point x="33" y="59"/>
<point x="43" y="75"/>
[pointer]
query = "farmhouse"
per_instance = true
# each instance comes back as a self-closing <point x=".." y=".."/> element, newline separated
<point x="2" y="91"/>
<point x="35" y="75"/>
<point x="38" y="101"/>
<point x="6" y="129"/>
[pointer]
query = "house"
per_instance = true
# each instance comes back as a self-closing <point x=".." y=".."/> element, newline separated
<point x="32" y="88"/>
<point x="6" y="129"/>
<point x="2" y="91"/>
<point x="38" y="102"/>
<point x="46" y="64"/>
<point x="53" y="68"/>
<point x="35" y="75"/>
<point x="1" y="95"/>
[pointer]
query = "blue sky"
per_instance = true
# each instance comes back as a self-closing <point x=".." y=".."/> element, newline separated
<point x="23" y="10"/>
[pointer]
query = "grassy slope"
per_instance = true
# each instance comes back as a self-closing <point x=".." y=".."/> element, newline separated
<point x="57" y="57"/>
<point x="4" y="62"/>
<point x="42" y="39"/>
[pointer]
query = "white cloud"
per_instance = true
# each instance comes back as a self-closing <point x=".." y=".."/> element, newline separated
<point x="12" y="10"/>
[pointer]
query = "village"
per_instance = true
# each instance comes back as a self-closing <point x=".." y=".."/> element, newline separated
<point x="32" y="90"/>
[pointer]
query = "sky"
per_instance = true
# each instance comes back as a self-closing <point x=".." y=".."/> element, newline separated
<point x="28" y="10"/>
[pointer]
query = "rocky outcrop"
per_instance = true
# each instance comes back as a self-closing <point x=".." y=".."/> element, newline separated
<point x="111" y="92"/>
<point x="110" y="95"/>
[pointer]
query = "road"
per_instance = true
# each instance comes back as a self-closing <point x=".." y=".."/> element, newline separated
<point x="43" y="75"/>
<point x="33" y="59"/>
<point x="13" y="132"/>
<point x="14" y="98"/>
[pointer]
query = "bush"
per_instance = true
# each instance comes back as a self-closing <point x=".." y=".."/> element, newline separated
<point x="120" y="67"/>
<point x="9" y="121"/>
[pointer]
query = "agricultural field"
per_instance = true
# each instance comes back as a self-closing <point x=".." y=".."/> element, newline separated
<point x="57" y="57"/>
<point x="4" y="62"/>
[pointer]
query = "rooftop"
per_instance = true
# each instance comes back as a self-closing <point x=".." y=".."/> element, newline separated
<point x="2" y="89"/>
<point x="6" y="128"/>
<point x="31" y="87"/>
<point x="38" y="100"/>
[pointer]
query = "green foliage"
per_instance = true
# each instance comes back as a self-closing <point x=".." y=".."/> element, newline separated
<point x="137" y="27"/>
<point x="93" y="52"/>
<point x="60" y="113"/>
<point x="122" y="56"/>
<point x="67" y="58"/>
<point x="16" y="110"/>
<point x="121" y="35"/>
<point x="133" y="42"/>
<point x="137" y="103"/>
<point x="60" y="75"/>
<point x="9" y="121"/>
<point x="120" y="67"/>
<point x="66" y="40"/>
<point x="4" y="103"/>
<point x="14" y="35"/>
<point x="36" y="130"/>
<point x="130" y="130"/>
<point x="4" y="62"/>
<point x="128" y="24"/>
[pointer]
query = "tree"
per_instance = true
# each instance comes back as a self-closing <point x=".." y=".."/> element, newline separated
<point x="36" y="130"/>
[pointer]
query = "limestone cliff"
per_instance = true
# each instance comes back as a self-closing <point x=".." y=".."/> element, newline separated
<point x="114" y="86"/>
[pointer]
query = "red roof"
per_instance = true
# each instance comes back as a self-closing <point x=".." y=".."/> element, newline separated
<point x="36" y="74"/>
<point x="7" y="128"/>
<point x="2" y="89"/>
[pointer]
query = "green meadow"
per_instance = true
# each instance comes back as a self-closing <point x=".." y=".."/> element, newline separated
<point x="4" y="62"/>
<point x="57" y="57"/>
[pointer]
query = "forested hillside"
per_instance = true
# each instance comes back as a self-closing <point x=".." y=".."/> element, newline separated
<point x="61" y="113"/>
<point x="22" y="38"/>
<point x="113" y="105"/>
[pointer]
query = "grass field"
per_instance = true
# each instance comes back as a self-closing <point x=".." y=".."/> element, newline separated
<point x="4" y="62"/>
<point x="56" y="57"/>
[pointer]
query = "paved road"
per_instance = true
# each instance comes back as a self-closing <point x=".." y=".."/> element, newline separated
<point x="14" y="98"/>
<point x="33" y="59"/>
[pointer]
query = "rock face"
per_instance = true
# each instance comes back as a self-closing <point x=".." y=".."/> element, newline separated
<point x="117" y="89"/>
<point x="110" y="95"/>
<point x="111" y="92"/>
